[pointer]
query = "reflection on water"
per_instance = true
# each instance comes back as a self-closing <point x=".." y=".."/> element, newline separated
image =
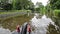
<point x="41" y="26"/>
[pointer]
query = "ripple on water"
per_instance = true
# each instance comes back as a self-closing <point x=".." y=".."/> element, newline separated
<point x="41" y="24"/>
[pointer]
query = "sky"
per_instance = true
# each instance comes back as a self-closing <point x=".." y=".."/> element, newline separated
<point x="44" y="2"/>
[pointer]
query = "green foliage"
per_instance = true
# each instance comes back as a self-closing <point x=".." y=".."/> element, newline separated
<point x="38" y="10"/>
<point x="55" y="4"/>
<point x="16" y="4"/>
<point x="48" y="7"/>
<point x="57" y="13"/>
<point x="5" y="5"/>
<point x="22" y="4"/>
<point x="39" y="7"/>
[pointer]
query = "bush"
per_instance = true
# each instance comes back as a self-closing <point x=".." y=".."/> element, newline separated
<point x="57" y="13"/>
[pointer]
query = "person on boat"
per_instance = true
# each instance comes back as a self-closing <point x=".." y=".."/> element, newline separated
<point x="25" y="29"/>
<point x="18" y="29"/>
<point x="29" y="28"/>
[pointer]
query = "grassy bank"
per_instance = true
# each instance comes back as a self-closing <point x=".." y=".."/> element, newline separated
<point x="13" y="11"/>
<point x="57" y="13"/>
<point x="12" y="22"/>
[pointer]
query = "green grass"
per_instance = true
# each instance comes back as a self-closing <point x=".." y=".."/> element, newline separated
<point x="13" y="11"/>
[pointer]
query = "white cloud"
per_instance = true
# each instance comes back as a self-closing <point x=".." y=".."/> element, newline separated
<point x="44" y="2"/>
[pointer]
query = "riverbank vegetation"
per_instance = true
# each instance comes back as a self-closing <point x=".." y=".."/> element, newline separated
<point x="14" y="11"/>
<point x="53" y="11"/>
<point x="16" y="5"/>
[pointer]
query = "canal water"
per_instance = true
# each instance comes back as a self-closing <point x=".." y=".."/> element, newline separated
<point x="40" y="25"/>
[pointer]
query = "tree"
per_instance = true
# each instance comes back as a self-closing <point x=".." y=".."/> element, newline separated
<point x="39" y="7"/>
<point x="16" y="4"/>
<point x="31" y="6"/>
<point x="22" y="4"/>
<point x="5" y="4"/>
<point x="55" y="4"/>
